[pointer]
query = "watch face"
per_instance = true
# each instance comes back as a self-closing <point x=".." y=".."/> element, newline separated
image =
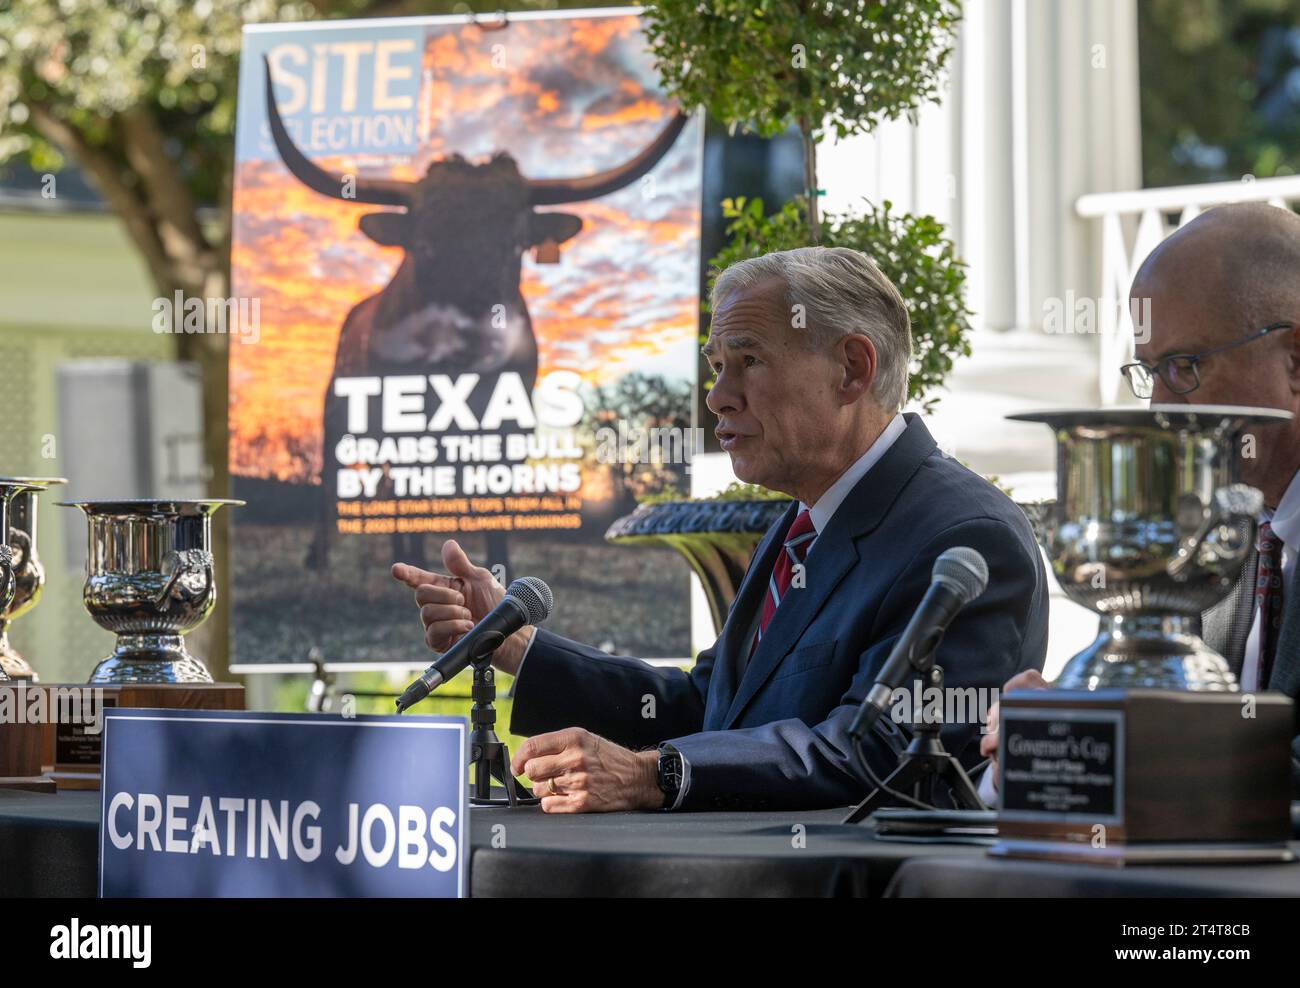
<point x="670" y="770"/>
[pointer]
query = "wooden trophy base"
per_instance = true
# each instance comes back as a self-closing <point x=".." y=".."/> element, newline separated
<point x="21" y="743"/>
<point x="40" y="783"/>
<point x="71" y="755"/>
<point x="1127" y="776"/>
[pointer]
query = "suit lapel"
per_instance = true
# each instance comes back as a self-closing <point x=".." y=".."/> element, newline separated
<point x="827" y="564"/>
<point x="833" y="555"/>
<point x="1286" y="662"/>
<point x="728" y="661"/>
<point x="1226" y="626"/>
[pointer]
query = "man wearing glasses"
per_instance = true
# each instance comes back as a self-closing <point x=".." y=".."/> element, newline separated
<point x="1224" y="292"/>
<point x="1224" y="329"/>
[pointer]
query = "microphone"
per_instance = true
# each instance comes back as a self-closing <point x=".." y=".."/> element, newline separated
<point x="959" y="576"/>
<point x="527" y="601"/>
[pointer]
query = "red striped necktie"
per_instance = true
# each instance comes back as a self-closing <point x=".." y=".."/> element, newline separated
<point x="797" y="540"/>
<point x="1268" y="599"/>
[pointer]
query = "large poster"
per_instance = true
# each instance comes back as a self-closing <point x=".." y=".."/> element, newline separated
<point x="474" y="251"/>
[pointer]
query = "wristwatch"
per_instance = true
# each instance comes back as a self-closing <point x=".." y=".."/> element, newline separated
<point x="669" y="774"/>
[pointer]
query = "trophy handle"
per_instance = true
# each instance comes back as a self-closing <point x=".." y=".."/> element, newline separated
<point x="21" y="543"/>
<point x="8" y="577"/>
<point x="1042" y="520"/>
<point x="183" y="563"/>
<point x="1229" y="507"/>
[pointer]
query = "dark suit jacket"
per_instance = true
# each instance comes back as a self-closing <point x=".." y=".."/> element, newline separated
<point x="1226" y="627"/>
<point x="777" y="735"/>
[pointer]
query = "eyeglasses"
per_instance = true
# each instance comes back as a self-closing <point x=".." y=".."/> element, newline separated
<point x="1179" y="371"/>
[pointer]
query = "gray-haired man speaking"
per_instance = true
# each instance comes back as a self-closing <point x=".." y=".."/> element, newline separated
<point x="811" y="350"/>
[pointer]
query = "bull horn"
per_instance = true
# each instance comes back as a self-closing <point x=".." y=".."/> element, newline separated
<point x="376" y="192"/>
<point x="552" y="191"/>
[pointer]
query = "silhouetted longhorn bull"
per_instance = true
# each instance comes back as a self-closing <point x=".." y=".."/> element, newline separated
<point x="454" y="305"/>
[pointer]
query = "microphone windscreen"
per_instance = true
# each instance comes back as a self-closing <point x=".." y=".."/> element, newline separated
<point x="964" y="570"/>
<point x="534" y="595"/>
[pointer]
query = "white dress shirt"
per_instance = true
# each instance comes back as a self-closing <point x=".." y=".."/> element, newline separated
<point x="830" y="502"/>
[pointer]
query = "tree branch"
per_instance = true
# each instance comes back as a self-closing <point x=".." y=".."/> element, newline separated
<point x="810" y="180"/>
<point x="103" y="171"/>
<point x="169" y="199"/>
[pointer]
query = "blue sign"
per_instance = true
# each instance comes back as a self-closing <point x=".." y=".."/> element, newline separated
<point x="342" y="88"/>
<point x="219" y="803"/>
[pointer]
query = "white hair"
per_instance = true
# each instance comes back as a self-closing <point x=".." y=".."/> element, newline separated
<point x="837" y="291"/>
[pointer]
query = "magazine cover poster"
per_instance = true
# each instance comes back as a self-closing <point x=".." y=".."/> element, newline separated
<point x="474" y="248"/>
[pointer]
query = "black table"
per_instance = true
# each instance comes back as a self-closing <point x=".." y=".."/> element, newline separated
<point x="49" y="847"/>
<point x="983" y="877"/>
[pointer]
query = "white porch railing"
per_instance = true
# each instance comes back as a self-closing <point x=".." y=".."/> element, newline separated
<point x="1120" y="261"/>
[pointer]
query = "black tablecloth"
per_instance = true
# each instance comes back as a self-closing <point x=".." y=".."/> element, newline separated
<point x="49" y="843"/>
<point x="49" y="847"/>
<point x="983" y="877"/>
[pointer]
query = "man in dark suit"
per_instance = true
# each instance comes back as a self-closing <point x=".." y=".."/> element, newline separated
<point x="811" y="349"/>
<point x="1223" y="301"/>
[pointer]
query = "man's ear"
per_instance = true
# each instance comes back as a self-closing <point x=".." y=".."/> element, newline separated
<point x="555" y="227"/>
<point x="388" y="229"/>
<point x="859" y="364"/>
<point x="1293" y="358"/>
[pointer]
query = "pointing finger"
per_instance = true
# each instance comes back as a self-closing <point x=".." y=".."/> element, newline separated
<point x="414" y="576"/>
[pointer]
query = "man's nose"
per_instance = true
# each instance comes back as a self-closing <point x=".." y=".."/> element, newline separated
<point x="722" y="397"/>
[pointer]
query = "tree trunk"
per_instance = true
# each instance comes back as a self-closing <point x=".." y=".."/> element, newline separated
<point x="162" y="222"/>
<point x="810" y="181"/>
<point x="210" y="351"/>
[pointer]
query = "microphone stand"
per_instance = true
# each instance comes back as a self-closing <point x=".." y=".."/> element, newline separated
<point x="489" y="757"/>
<point x="924" y="759"/>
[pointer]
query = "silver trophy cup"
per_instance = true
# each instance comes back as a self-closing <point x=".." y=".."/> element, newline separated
<point x="1149" y="529"/>
<point x="10" y="561"/>
<point x="149" y="578"/>
<point x="29" y="574"/>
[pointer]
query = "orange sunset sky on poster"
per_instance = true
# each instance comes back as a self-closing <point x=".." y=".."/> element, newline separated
<point x="564" y="98"/>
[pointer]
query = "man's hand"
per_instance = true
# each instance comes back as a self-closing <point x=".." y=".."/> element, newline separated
<point x="1030" y="679"/>
<point x="451" y="605"/>
<point x="576" y="772"/>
